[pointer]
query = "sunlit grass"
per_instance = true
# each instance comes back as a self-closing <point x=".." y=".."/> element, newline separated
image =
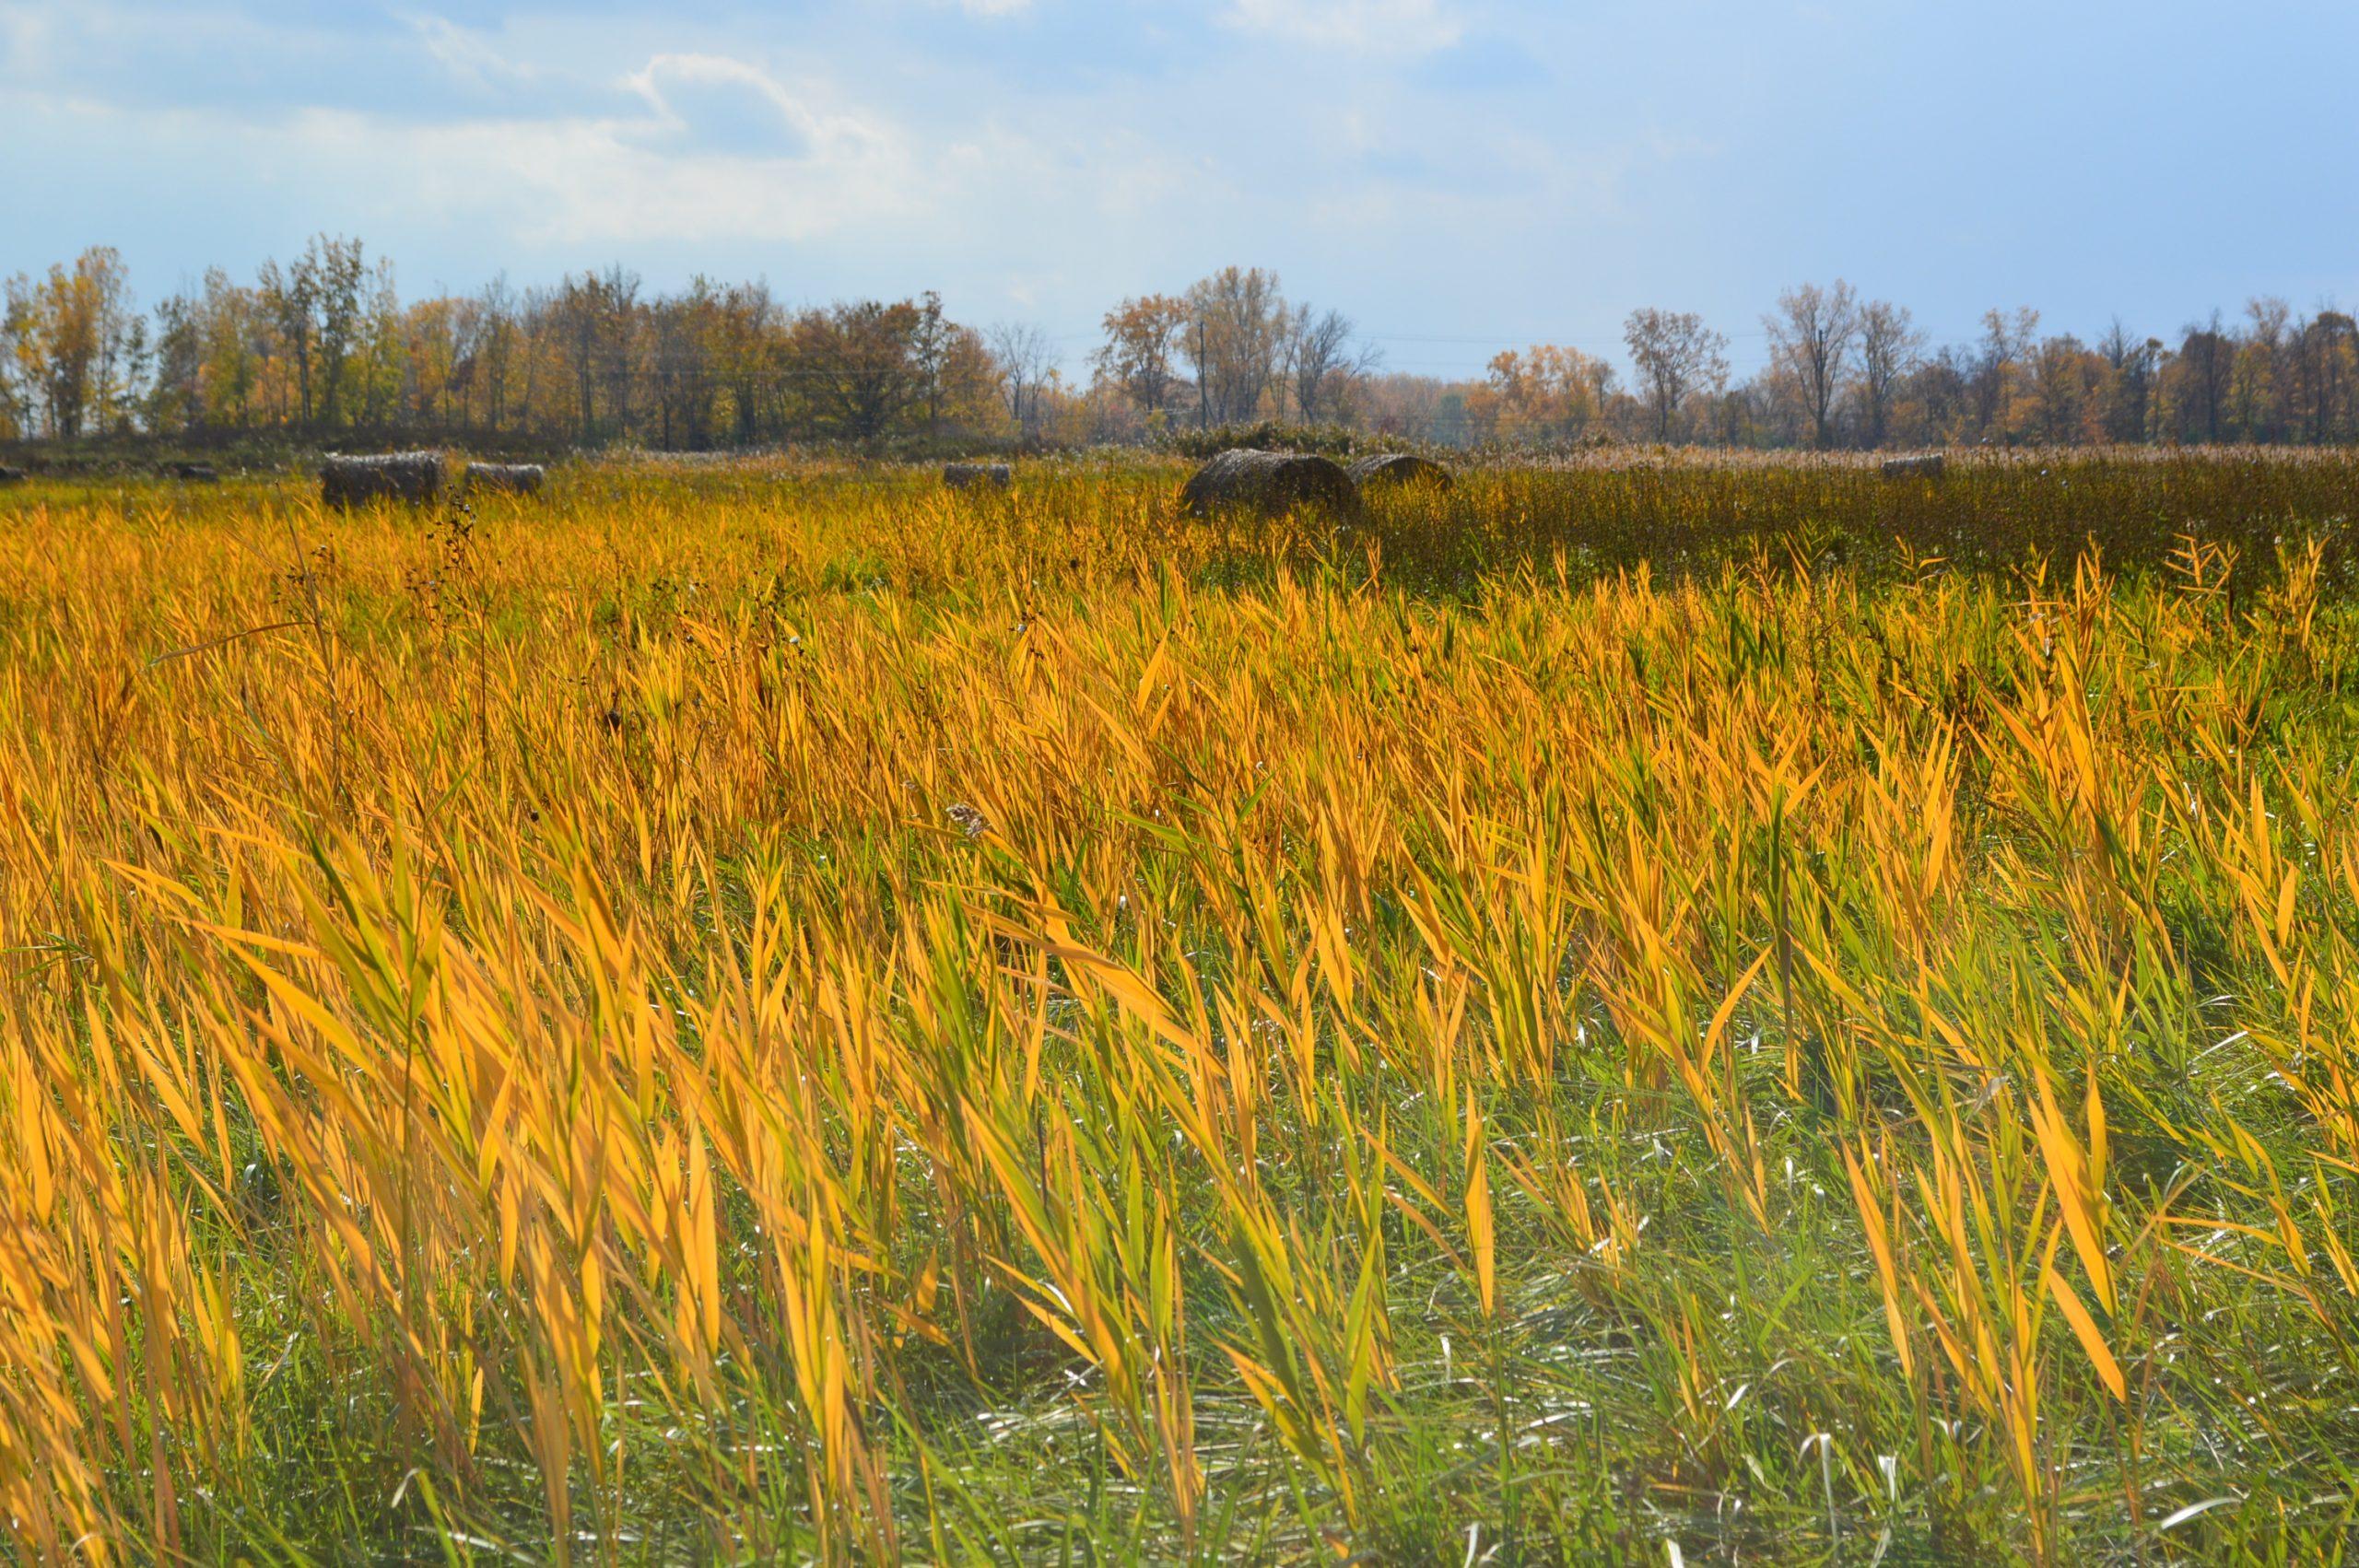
<point x="773" y="1013"/>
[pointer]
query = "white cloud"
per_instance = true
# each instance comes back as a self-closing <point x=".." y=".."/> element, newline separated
<point x="675" y="163"/>
<point x="994" y="8"/>
<point x="680" y="173"/>
<point x="466" y="53"/>
<point x="1366" y="27"/>
<point x="23" y="31"/>
<point x="699" y="152"/>
<point x="734" y="107"/>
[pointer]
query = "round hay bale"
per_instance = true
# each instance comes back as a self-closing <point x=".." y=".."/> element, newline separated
<point x="1388" y="469"/>
<point x="415" y="478"/>
<point x="1271" y="484"/>
<point x="967" y="475"/>
<point x="511" y="478"/>
<point x="197" y="473"/>
<point x="1925" y="465"/>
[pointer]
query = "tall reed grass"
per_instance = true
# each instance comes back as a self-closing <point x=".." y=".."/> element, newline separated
<point x="781" y="1014"/>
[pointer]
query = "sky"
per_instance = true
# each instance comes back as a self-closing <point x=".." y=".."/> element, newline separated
<point x="1457" y="176"/>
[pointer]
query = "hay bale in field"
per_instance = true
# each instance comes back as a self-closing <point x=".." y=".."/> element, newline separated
<point x="1399" y="468"/>
<point x="197" y="473"/>
<point x="1925" y="465"/>
<point x="512" y="478"/>
<point x="416" y="477"/>
<point x="967" y="475"/>
<point x="1270" y="484"/>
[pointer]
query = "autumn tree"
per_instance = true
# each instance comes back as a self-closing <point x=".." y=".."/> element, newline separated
<point x="1889" y="348"/>
<point x="2325" y="355"/>
<point x="2065" y="401"/>
<point x="1545" y="392"/>
<point x="1403" y="404"/>
<point x="339" y="273"/>
<point x="1025" y="360"/>
<point x="964" y="381"/>
<point x="857" y="365"/>
<point x="1141" y="351"/>
<point x="2007" y="342"/>
<point x="1935" y="403"/>
<point x="2198" y="378"/>
<point x="288" y="297"/>
<point x="2131" y="365"/>
<point x="382" y="393"/>
<point x="930" y="345"/>
<point x="428" y="334"/>
<point x="175" y="398"/>
<point x="211" y="350"/>
<point x="1812" y="336"/>
<point x="1236" y="333"/>
<point x="749" y="348"/>
<point x="683" y="334"/>
<point x="2255" y="383"/>
<point x="1321" y="361"/>
<point x="1674" y="356"/>
<point x="16" y="367"/>
<point x="75" y="347"/>
<point x="598" y="317"/>
<point x="492" y="351"/>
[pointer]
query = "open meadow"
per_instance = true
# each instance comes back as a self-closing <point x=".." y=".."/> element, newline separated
<point x="1644" y="1010"/>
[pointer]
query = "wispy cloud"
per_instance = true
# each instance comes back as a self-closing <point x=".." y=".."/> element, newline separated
<point x="731" y="108"/>
<point x="466" y="54"/>
<point x="1364" y="26"/>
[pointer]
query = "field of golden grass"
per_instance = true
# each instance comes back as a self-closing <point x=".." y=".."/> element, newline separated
<point x="768" y="1013"/>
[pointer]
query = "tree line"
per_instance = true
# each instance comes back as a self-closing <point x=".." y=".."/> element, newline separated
<point x="323" y="347"/>
<point x="1843" y="371"/>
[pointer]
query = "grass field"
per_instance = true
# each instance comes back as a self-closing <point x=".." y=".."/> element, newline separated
<point x="1706" y="1012"/>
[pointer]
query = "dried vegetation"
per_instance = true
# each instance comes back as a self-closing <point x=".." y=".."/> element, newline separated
<point x="765" y="1011"/>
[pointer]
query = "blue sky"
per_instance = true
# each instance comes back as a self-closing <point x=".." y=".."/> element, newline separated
<point x="1457" y="175"/>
